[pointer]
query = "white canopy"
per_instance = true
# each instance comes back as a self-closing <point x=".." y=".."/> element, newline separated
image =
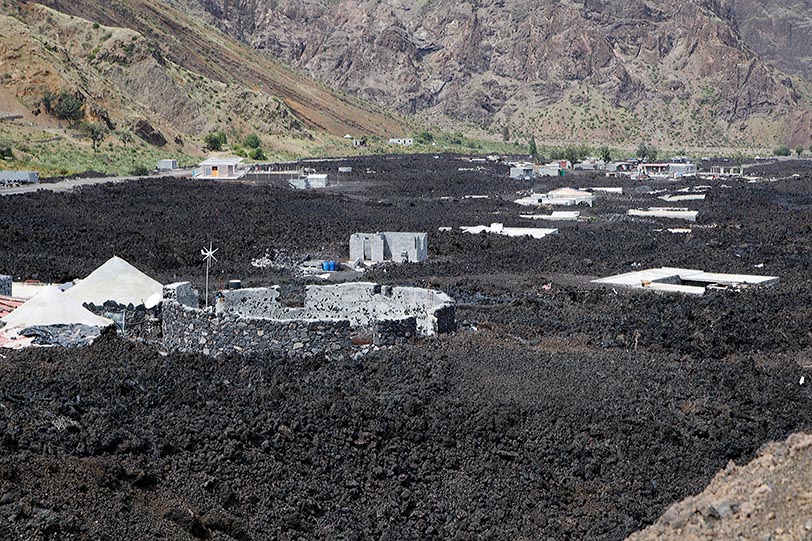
<point x="50" y="307"/>
<point x="117" y="281"/>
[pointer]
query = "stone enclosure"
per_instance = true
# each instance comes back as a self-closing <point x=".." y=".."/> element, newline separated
<point x="328" y="320"/>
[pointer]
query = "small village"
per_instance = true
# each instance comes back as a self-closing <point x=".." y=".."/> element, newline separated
<point x="301" y="270"/>
<point x="470" y="301"/>
<point x="118" y="295"/>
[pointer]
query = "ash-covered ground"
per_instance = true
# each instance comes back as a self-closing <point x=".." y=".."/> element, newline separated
<point x="557" y="411"/>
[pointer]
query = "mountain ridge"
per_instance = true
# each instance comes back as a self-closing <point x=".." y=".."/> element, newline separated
<point x="599" y="70"/>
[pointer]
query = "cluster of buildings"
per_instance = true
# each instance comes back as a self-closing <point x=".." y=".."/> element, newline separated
<point x="676" y="168"/>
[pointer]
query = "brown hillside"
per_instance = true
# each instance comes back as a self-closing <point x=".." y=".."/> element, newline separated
<point x="199" y="48"/>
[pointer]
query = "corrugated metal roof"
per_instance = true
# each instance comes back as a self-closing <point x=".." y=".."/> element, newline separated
<point x="8" y="305"/>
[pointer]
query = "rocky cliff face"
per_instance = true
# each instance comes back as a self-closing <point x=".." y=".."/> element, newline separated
<point x="780" y="31"/>
<point x="666" y="70"/>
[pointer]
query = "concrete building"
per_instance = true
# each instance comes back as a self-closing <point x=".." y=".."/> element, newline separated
<point x="726" y="171"/>
<point x="524" y="171"/>
<point x="553" y="169"/>
<point x="690" y="281"/>
<point x="221" y="168"/>
<point x="500" y="229"/>
<point x="666" y="170"/>
<point x="401" y="141"/>
<point x="590" y="164"/>
<point x="389" y="246"/>
<point x="167" y="165"/>
<point x="19" y="177"/>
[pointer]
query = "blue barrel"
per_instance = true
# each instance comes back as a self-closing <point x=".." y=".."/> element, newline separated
<point x="325" y="265"/>
<point x="332" y="265"/>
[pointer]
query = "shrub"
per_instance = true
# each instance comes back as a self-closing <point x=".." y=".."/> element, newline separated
<point x="215" y="140"/>
<point x="140" y="170"/>
<point x="782" y="151"/>
<point x="258" y="154"/>
<point x="799" y="150"/>
<point x="252" y="141"/>
<point x="69" y="107"/>
<point x="605" y="154"/>
<point x="424" y="137"/>
<point x="95" y="132"/>
<point x="646" y="152"/>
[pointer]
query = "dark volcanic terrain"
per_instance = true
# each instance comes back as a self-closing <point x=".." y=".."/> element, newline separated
<point x="558" y="411"/>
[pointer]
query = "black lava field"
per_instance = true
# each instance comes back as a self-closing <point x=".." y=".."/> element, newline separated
<point x="558" y="410"/>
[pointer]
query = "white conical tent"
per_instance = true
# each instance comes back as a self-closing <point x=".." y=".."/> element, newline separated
<point x="117" y="281"/>
<point x="50" y="307"/>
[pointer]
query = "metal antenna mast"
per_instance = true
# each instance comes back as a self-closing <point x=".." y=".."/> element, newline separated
<point x="208" y="256"/>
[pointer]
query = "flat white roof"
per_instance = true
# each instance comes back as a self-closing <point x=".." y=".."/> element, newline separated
<point x="500" y="229"/>
<point x="558" y="215"/>
<point x="658" y="279"/>
<point x="684" y="197"/>
<point x="222" y="161"/>
<point x="665" y="212"/>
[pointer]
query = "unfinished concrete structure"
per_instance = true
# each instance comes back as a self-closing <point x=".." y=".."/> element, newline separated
<point x="389" y="246"/>
<point x="256" y="319"/>
<point x="309" y="182"/>
<point x="690" y="281"/>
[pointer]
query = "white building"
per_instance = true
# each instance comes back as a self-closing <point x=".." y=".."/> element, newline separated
<point x="726" y="171"/>
<point x="524" y="171"/>
<point x="666" y="170"/>
<point x="167" y="165"/>
<point x="19" y="177"/>
<point x="389" y="246"/>
<point x="221" y="168"/>
<point x="552" y="169"/>
<point x="402" y="141"/>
